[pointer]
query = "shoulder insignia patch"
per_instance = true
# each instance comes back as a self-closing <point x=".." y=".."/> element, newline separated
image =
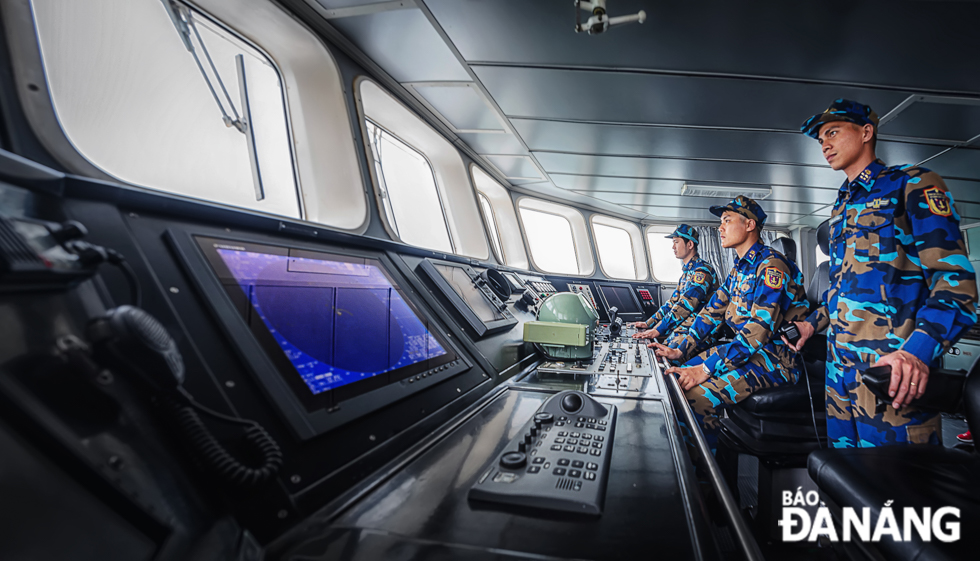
<point x="698" y="277"/>
<point x="938" y="202"/>
<point x="773" y="278"/>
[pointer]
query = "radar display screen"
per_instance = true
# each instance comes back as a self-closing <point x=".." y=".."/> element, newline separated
<point x="337" y="321"/>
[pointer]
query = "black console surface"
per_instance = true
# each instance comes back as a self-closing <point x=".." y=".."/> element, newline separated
<point x="422" y="511"/>
<point x="559" y="461"/>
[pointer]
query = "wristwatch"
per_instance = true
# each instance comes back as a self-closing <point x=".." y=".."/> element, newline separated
<point x="705" y="369"/>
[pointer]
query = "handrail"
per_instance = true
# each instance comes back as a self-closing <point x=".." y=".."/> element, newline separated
<point x="749" y="546"/>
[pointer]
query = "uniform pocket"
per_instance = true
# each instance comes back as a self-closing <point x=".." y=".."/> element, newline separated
<point x="871" y="232"/>
<point x="926" y="433"/>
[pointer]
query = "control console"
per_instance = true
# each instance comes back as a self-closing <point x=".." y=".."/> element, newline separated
<point x="559" y="460"/>
<point x="584" y="290"/>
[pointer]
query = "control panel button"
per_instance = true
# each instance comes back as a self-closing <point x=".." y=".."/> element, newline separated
<point x="563" y="462"/>
<point x="559" y="440"/>
<point x="556" y="447"/>
<point x="590" y="475"/>
<point x="577" y="463"/>
<point x="539" y="460"/>
<point x="583" y="450"/>
<point x="533" y="469"/>
<point x="592" y="466"/>
<point x="574" y="473"/>
<point x="559" y="471"/>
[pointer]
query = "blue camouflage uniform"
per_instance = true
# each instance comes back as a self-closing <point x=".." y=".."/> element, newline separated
<point x="697" y="283"/>
<point x="899" y="280"/>
<point x="763" y="291"/>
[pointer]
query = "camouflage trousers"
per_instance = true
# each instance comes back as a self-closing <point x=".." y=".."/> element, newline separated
<point x="854" y="419"/>
<point x="707" y="400"/>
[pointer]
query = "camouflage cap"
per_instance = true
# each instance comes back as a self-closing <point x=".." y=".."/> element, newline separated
<point x="686" y="232"/>
<point x="841" y="110"/>
<point x="744" y="206"/>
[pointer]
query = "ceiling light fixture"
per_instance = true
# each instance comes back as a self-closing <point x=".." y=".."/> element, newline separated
<point x="724" y="191"/>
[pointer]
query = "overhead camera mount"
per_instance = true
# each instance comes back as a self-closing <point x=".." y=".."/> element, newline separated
<point x="600" y="21"/>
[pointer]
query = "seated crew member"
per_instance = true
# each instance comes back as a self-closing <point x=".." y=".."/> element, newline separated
<point x="763" y="290"/>
<point x="697" y="283"/>
<point x="902" y="290"/>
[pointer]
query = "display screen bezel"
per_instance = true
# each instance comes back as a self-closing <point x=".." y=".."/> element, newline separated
<point x="337" y="395"/>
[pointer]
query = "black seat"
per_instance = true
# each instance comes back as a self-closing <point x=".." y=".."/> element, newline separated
<point x="779" y="422"/>
<point x="911" y="476"/>
<point x="786" y="246"/>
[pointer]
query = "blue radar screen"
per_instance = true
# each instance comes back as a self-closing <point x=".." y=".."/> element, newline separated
<point x="337" y="321"/>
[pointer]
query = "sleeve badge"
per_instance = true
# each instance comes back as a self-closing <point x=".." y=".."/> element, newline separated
<point x="773" y="278"/>
<point x="938" y="202"/>
<point x="698" y="277"/>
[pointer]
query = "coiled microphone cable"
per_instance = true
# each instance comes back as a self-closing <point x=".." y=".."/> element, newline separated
<point x="133" y="341"/>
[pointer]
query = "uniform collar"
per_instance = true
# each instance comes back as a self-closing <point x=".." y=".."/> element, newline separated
<point x="866" y="178"/>
<point x="690" y="265"/>
<point x="753" y="253"/>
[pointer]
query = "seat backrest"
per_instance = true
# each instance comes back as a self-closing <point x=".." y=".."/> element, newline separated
<point x="823" y="236"/>
<point x="786" y="246"/>
<point x="818" y="284"/>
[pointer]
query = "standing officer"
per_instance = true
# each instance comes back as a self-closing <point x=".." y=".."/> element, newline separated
<point x="901" y="288"/>
<point x="763" y="291"/>
<point x="698" y="282"/>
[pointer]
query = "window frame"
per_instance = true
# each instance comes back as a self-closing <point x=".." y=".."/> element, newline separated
<point x="289" y="46"/>
<point x="464" y="242"/>
<point x="575" y="241"/>
<point x="663" y="229"/>
<point x="496" y="248"/>
<point x="638" y="257"/>
<point x="513" y="246"/>
<point x="392" y="229"/>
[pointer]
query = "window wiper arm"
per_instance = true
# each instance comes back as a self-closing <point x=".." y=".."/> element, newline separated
<point x="183" y="22"/>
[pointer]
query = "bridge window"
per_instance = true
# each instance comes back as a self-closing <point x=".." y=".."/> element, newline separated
<point x="620" y="248"/>
<point x="132" y="100"/>
<point x="557" y="237"/>
<point x="420" y="180"/>
<point x="502" y="226"/>
<point x="407" y="191"/>
<point x="666" y="267"/>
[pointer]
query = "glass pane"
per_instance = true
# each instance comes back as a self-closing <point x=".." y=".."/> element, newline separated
<point x="409" y="190"/>
<point x="615" y="251"/>
<point x="491" y="226"/>
<point x="132" y="101"/>
<point x="550" y="239"/>
<point x="666" y="267"/>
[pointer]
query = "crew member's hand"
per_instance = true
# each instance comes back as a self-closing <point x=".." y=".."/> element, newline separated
<point x="909" y="377"/>
<point x="689" y="376"/>
<point x="665" y="351"/>
<point x="806" y="331"/>
<point x="641" y="325"/>
<point x="648" y="334"/>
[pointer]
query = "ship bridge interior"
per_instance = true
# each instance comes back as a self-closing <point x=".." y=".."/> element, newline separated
<point x="359" y="279"/>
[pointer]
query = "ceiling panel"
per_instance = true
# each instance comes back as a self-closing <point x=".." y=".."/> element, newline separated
<point x="795" y="40"/>
<point x="515" y="166"/>
<point x="660" y="99"/>
<point x="492" y="143"/>
<point x="461" y="105"/>
<point x="704" y="215"/>
<point x="586" y="138"/>
<point x="404" y="43"/>
<point x="631" y="186"/>
<point x="963" y="163"/>
<point x="691" y="170"/>
<point x="935" y="120"/>
<point x="770" y="206"/>
<point x="964" y="190"/>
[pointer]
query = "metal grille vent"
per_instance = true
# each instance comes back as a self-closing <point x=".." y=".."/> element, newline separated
<point x="565" y="484"/>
